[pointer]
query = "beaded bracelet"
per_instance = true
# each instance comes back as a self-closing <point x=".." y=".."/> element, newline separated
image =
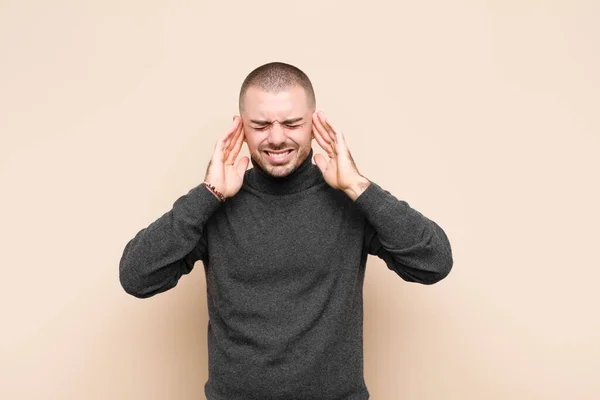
<point x="215" y="191"/>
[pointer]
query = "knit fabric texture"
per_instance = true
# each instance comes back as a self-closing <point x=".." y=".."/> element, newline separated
<point x="285" y="263"/>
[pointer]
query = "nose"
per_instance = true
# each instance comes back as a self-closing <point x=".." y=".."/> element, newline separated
<point x="276" y="134"/>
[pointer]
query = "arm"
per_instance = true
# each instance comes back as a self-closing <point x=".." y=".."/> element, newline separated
<point x="413" y="246"/>
<point x="158" y="255"/>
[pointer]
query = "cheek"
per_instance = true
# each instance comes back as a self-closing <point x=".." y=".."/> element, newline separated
<point x="304" y="137"/>
<point x="254" y="139"/>
<point x="300" y="136"/>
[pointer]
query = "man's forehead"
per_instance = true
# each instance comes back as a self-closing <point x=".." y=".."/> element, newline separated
<point x="289" y="103"/>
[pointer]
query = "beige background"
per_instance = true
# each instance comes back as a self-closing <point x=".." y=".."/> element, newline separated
<point x="482" y="115"/>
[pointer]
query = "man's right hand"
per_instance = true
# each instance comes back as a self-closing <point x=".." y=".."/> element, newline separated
<point x="222" y="172"/>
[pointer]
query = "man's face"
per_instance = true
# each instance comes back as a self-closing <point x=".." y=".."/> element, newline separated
<point x="278" y="128"/>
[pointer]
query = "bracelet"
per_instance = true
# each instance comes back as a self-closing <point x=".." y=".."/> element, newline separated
<point x="215" y="191"/>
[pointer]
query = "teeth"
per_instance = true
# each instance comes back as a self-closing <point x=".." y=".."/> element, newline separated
<point x="278" y="155"/>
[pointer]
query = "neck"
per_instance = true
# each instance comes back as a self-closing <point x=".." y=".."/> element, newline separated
<point x="304" y="176"/>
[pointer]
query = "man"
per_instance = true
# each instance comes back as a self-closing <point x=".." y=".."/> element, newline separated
<point x="284" y="247"/>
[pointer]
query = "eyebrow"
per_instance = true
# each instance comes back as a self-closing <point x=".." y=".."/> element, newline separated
<point x="286" y="122"/>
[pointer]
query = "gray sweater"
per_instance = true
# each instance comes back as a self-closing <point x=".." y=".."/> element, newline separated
<point x="285" y="263"/>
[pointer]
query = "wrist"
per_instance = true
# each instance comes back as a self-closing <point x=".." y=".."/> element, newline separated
<point x="357" y="187"/>
<point x="214" y="191"/>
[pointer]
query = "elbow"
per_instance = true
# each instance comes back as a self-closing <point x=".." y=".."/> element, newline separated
<point x="436" y="269"/>
<point x="129" y="278"/>
<point x="425" y="273"/>
<point x="131" y="283"/>
<point x="443" y="260"/>
<point x="144" y="285"/>
<point x="443" y="268"/>
<point x="134" y="290"/>
<point x="425" y="265"/>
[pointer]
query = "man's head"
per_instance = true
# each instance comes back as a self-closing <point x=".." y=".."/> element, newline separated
<point x="276" y="104"/>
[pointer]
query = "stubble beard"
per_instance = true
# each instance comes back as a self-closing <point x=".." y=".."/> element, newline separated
<point x="281" y="171"/>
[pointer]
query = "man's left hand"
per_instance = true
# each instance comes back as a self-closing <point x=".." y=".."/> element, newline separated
<point x="339" y="171"/>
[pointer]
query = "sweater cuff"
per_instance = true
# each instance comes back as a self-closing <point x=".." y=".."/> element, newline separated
<point x="375" y="199"/>
<point x="202" y="202"/>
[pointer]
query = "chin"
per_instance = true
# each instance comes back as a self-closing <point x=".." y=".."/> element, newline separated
<point x="279" y="171"/>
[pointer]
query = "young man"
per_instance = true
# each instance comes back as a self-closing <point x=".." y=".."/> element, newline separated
<point x="284" y="247"/>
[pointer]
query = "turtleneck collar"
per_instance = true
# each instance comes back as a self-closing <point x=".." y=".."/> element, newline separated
<point x="306" y="175"/>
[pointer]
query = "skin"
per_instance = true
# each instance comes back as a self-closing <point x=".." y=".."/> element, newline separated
<point x="273" y="122"/>
<point x="339" y="171"/>
<point x="276" y="122"/>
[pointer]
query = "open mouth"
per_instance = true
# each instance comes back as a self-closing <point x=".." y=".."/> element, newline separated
<point x="278" y="156"/>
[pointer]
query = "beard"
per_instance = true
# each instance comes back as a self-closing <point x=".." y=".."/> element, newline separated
<point x="297" y="156"/>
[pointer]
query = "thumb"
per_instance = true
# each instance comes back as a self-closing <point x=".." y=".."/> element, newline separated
<point x="321" y="162"/>
<point x="242" y="165"/>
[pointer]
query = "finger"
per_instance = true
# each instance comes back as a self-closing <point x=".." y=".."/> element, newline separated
<point x="341" y="140"/>
<point x="242" y="166"/>
<point x="340" y="144"/>
<point x="218" y="152"/>
<point x="324" y="145"/>
<point x="230" y="136"/>
<point x="328" y="127"/>
<point x="340" y="137"/>
<point x="235" y="150"/>
<point x="320" y="139"/>
<point x="229" y="144"/>
<point x="220" y="146"/>
<point x="321" y="129"/>
<point x="323" y="138"/>
<point x="321" y="162"/>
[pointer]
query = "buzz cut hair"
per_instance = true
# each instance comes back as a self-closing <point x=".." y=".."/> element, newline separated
<point x="275" y="77"/>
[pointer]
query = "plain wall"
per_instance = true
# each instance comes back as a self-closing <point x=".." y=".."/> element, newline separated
<point x="481" y="115"/>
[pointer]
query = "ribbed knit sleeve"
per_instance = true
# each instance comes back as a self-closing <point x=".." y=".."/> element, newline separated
<point x="412" y="245"/>
<point x="158" y="255"/>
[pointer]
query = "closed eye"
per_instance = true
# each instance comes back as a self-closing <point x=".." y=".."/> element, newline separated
<point x="263" y="127"/>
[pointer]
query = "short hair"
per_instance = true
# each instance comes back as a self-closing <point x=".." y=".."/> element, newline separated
<point x="276" y="77"/>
